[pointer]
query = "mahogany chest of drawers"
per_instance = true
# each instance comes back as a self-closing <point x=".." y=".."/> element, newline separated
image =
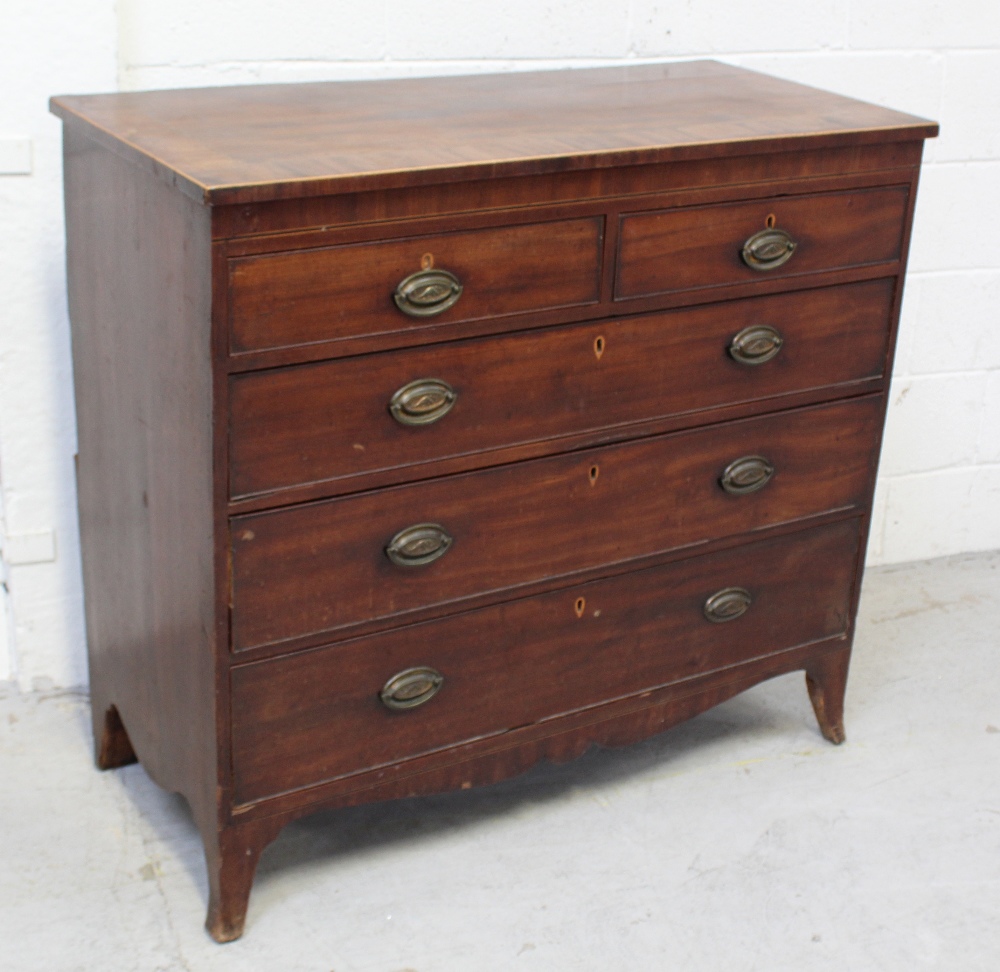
<point x="431" y="428"/>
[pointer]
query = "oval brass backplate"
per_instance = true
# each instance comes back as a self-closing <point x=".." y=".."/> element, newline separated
<point x="727" y="604"/>
<point x="422" y="402"/>
<point x="420" y="544"/>
<point x="427" y="292"/>
<point x="411" y="687"/>
<point x="746" y="475"/>
<point x="755" y="345"/>
<point x="768" y="249"/>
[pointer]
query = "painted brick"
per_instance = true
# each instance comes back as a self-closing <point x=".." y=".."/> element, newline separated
<point x="30" y="548"/>
<point x="989" y="436"/>
<point x="909" y="317"/>
<point x="7" y="642"/>
<point x="515" y="29"/>
<point x="971" y="105"/>
<point x="47" y="625"/>
<point x="6" y="645"/>
<point x="195" y="32"/>
<point x="925" y="23"/>
<point x="15" y="156"/>
<point x="876" y="533"/>
<point x="62" y="46"/>
<point x="937" y="514"/>
<point x="956" y="225"/>
<point x="932" y="423"/>
<point x="956" y="323"/>
<point x="282" y="72"/>
<point x="696" y="29"/>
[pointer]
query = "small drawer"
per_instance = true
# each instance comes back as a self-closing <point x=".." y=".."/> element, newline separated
<point x="323" y="567"/>
<point x="318" y="715"/>
<point x="334" y="420"/>
<point x="364" y="289"/>
<point x="747" y="242"/>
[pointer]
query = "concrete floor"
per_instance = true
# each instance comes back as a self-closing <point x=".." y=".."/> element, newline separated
<point x="739" y="841"/>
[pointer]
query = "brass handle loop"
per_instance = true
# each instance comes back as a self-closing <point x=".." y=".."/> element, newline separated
<point x="422" y="402"/>
<point x="427" y="292"/>
<point x="727" y="604"/>
<point x="410" y="688"/>
<point x="768" y="249"/>
<point x="746" y="475"/>
<point x="755" y="345"/>
<point x="420" y="544"/>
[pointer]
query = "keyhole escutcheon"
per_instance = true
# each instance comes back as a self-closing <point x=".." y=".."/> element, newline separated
<point x="599" y="346"/>
<point x="595" y="471"/>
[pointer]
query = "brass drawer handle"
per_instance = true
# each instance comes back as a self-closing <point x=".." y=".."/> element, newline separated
<point x="768" y="249"/>
<point x="427" y="292"/>
<point x="419" y="544"/>
<point x="422" y="402"/>
<point x="755" y="344"/>
<point x="727" y="604"/>
<point x="746" y="475"/>
<point x="410" y="688"/>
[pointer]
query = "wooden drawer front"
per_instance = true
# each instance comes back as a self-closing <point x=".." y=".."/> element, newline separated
<point x="329" y="421"/>
<point x="692" y="248"/>
<point x="317" y="715"/>
<point x="320" y="567"/>
<point x="286" y="299"/>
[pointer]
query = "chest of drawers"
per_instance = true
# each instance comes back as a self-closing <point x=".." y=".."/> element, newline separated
<point x="429" y="429"/>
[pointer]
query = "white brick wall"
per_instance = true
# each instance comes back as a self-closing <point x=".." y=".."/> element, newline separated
<point x="939" y="491"/>
<point x="61" y="45"/>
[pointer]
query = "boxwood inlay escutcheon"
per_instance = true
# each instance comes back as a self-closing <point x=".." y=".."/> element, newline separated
<point x="420" y="544"/>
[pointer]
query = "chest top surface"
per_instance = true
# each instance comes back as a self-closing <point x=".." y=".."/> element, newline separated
<point x="264" y="142"/>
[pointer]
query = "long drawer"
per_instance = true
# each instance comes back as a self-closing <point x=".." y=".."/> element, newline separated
<point x="737" y="243"/>
<point x="322" y="567"/>
<point x="334" y="420"/>
<point x="329" y="293"/>
<point x="318" y="715"/>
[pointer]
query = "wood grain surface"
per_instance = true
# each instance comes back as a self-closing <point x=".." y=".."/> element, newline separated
<point x="263" y="142"/>
<point x="232" y="256"/>
<point x="695" y="247"/>
<point x="308" y="718"/>
<point x="143" y="377"/>
<point x="322" y="567"/>
<point x="335" y="292"/>
<point x="329" y="421"/>
<point x="752" y="172"/>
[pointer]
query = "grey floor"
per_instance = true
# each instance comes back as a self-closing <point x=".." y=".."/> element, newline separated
<point x="739" y="841"/>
